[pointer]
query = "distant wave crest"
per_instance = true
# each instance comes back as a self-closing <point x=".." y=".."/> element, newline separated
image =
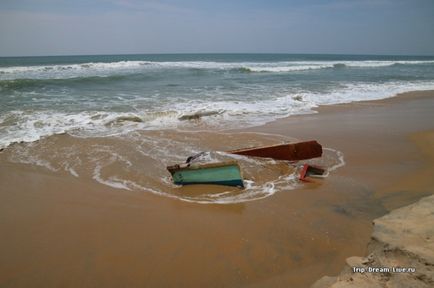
<point x="25" y="83"/>
<point x="102" y="69"/>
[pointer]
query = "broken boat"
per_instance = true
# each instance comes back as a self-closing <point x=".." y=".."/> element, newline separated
<point x="226" y="173"/>
<point x="287" y="151"/>
<point x="308" y="170"/>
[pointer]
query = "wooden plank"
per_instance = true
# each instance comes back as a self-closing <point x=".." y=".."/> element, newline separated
<point x="222" y="173"/>
<point x="288" y="151"/>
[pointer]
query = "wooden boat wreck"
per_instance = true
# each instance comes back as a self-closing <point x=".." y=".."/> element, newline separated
<point x="223" y="173"/>
<point x="288" y="151"/>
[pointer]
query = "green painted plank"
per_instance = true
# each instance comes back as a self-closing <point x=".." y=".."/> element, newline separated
<point x="222" y="175"/>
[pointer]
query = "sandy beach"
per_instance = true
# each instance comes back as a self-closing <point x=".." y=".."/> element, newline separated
<point x="59" y="230"/>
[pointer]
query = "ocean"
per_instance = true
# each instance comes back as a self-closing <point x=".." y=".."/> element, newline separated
<point x="112" y="94"/>
<point x="124" y="118"/>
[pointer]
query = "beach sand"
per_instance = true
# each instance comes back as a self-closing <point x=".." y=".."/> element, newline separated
<point x="62" y="231"/>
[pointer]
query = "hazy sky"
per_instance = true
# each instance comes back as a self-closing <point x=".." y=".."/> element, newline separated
<point x="66" y="27"/>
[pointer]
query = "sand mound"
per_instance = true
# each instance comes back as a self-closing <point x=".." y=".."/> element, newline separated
<point x="403" y="239"/>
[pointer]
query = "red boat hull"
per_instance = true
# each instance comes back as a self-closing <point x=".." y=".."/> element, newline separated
<point x="289" y="151"/>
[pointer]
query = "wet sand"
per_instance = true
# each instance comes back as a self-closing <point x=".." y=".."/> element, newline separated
<point x="59" y="230"/>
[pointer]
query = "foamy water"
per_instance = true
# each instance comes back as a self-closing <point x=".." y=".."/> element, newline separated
<point x="137" y="163"/>
<point x="104" y="69"/>
<point x="90" y="96"/>
<point x="30" y="125"/>
<point x="125" y="113"/>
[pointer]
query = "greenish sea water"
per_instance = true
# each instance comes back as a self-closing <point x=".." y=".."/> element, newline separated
<point x="113" y="94"/>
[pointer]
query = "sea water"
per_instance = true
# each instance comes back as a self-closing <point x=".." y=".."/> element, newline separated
<point x="114" y="94"/>
<point x="126" y="117"/>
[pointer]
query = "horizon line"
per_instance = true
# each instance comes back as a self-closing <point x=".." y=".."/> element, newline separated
<point x="214" y="53"/>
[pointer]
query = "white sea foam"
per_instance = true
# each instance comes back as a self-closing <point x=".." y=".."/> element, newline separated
<point x="340" y="157"/>
<point x="116" y="164"/>
<point x="314" y="65"/>
<point x="22" y="155"/>
<point x="111" y="181"/>
<point x="331" y="159"/>
<point x="69" y="70"/>
<point x="72" y="172"/>
<point x="28" y="126"/>
<point x="90" y="69"/>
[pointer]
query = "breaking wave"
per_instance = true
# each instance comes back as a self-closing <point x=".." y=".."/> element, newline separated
<point x="103" y="69"/>
<point x="29" y="125"/>
<point x="24" y="83"/>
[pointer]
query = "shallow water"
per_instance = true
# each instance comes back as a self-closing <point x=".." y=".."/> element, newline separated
<point x="137" y="161"/>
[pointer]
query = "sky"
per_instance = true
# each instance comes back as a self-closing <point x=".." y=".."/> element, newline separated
<point x="65" y="27"/>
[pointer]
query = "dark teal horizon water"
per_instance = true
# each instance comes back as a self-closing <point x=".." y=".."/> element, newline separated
<point x="69" y="59"/>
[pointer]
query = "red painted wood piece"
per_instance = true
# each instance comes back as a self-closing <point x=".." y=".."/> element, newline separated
<point x="287" y="151"/>
<point x="303" y="172"/>
<point x="310" y="170"/>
